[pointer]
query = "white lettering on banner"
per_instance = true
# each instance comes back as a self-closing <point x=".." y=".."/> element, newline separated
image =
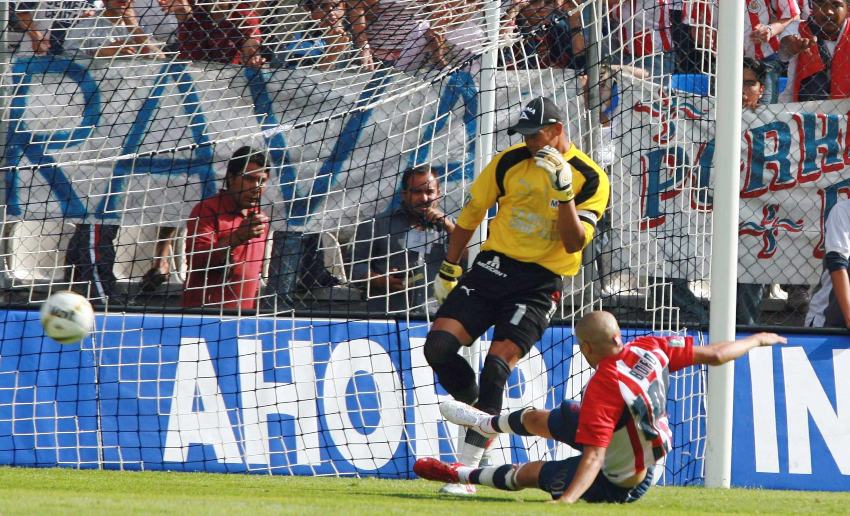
<point x="426" y="402"/>
<point x="793" y="171"/>
<point x="308" y="160"/>
<point x="364" y="451"/>
<point x="205" y="423"/>
<point x="803" y="398"/>
<point x="765" y="439"/>
<point x="198" y="414"/>
<point x="260" y="398"/>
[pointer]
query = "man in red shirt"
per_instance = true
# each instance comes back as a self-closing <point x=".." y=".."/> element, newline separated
<point x="225" y="32"/>
<point x="620" y="426"/>
<point x="227" y="238"/>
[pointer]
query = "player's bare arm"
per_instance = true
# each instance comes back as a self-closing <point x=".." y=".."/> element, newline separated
<point x="458" y="241"/>
<point x="592" y="458"/>
<point x="721" y="352"/>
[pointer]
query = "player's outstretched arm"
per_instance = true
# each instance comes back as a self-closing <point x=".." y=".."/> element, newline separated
<point x="722" y="352"/>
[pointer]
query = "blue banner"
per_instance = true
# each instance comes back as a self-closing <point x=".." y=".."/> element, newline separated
<point x="791" y="427"/>
<point x="282" y="396"/>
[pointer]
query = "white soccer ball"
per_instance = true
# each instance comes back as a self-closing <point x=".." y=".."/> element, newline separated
<point x="67" y="317"/>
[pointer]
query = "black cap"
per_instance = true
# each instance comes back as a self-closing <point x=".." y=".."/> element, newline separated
<point x="538" y="113"/>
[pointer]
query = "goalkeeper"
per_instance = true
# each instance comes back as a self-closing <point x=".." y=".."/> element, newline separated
<point x="550" y="197"/>
<point x="620" y="426"/>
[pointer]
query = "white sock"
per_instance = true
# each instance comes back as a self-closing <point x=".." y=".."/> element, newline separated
<point x="463" y="474"/>
<point x="470" y="455"/>
<point x="501" y="477"/>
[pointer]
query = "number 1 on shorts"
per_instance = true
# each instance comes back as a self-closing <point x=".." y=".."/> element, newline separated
<point x="520" y="312"/>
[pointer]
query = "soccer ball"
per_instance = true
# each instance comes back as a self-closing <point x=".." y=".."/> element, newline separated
<point x="67" y="317"/>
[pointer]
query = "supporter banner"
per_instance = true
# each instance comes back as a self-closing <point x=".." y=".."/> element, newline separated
<point x="143" y="143"/>
<point x="281" y="396"/>
<point x="791" y="422"/>
<point x="793" y="171"/>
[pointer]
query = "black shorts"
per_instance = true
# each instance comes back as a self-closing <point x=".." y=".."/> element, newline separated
<point x="556" y="476"/>
<point x="517" y="298"/>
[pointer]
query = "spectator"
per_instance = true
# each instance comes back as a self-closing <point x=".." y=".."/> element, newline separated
<point x="791" y="43"/>
<point x="684" y="44"/>
<point x="114" y="31"/>
<point x="45" y="24"/>
<point x="406" y="35"/>
<point x="822" y="43"/>
<point x="830" y="306"/>
<point x="645" y="30"/>
<point x="550" y="32"/>
<point x="225" y="32"/>
<point x="764" y="25"/>
<point x="226" y="238"/>
<point x="750" y="294"/>
<point x="345" y="24"/>
<point x="90" y="258"/>
<point x="399" y="253"/>
<point x="153" y="20"/>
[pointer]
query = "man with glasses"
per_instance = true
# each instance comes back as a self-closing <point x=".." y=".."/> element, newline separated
<point x="227" y="238"/>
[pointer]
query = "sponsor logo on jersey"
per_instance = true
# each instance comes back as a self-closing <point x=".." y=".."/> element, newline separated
<point x="676" y="342"/>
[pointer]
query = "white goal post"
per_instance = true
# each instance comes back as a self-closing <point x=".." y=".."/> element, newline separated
<point x="724" y="239"/>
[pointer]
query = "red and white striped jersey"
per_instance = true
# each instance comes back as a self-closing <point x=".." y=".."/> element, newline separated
<point x="758" y="12"/>
<point x="624" y="404"/>
<point x="645" y="26"/>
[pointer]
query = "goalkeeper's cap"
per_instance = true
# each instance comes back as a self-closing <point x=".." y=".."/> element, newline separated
<point x="538" y="113"/>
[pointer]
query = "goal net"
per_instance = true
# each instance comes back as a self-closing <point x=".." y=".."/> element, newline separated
<point x="120" y="117"/>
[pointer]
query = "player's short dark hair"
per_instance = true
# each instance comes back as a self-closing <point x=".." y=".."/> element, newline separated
<point x="756" y="67"/>
<point x="409" y="172"/>
<point x="242" y="157"/>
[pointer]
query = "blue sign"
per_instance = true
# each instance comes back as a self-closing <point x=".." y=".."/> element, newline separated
<point x="791" y="427"/>
<point x="282" y="396"/>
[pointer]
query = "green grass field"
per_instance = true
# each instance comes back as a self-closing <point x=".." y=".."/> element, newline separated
<point x="53" y="491"/>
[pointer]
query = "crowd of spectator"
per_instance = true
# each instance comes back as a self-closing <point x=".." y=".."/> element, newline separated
<point x="797" y="39"/>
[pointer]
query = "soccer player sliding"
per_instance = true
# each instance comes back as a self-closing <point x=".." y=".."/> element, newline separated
<point x="620" y="426"/>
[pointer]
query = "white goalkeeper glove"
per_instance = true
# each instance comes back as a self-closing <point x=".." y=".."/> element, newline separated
<point x="552" y="161"/>
<point x="446" y="280"/>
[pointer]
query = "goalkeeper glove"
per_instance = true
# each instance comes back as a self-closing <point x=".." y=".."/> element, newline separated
<point x="560" y="174"/>
<point x="446" y="280"/>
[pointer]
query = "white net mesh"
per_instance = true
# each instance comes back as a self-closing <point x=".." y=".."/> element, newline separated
<point x="121" y="117"/>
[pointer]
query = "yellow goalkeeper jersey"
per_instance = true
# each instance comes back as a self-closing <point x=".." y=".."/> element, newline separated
<point x="526" y="226"/>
